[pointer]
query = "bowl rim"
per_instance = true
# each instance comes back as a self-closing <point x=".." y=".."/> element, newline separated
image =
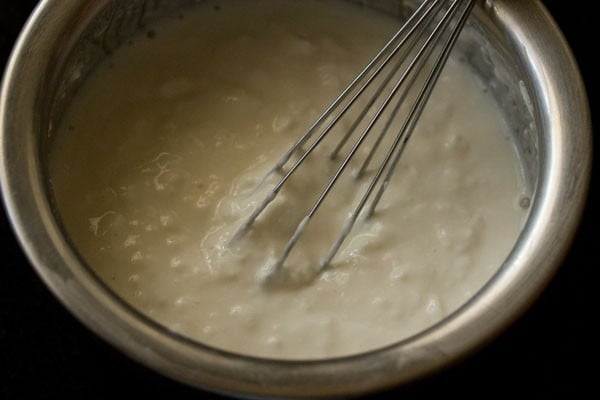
<point x="565" y="169"/>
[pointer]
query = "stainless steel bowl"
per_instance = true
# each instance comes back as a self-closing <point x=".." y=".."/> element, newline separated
<point x="512" y="44"/>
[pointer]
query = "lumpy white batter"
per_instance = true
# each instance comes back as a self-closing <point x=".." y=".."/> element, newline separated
<point x="156" y="161"/>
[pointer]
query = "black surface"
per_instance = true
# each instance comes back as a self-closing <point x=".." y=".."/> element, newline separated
<point x="550" y="352"/>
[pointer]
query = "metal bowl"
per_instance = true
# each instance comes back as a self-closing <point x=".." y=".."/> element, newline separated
<point x="513" y="45"/>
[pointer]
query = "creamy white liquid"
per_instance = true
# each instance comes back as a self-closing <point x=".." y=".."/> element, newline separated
<point x="157" y="159"/>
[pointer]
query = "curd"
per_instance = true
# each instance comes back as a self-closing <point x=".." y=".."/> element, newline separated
<point x="158" y="158"/>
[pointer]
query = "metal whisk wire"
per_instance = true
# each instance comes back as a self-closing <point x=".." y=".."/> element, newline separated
<point x="431" y="12"/>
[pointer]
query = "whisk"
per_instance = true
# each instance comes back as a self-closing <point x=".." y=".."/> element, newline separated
<point x="402" y="68"/>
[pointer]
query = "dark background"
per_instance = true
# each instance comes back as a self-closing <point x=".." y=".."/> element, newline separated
<point x="550" y="352"/>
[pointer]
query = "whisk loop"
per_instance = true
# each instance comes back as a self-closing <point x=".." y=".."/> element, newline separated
<point x="433" y="27"/>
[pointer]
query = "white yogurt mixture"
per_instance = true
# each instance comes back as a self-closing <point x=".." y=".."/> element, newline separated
<point x="157" y="159"/>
